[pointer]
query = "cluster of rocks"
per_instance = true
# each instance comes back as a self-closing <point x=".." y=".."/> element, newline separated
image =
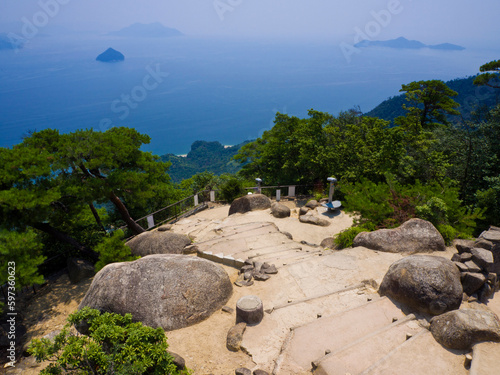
<point x="308" y="214"/>
<point x="254" y="270"/>
<point x="479" y="264"/>
<point x="436" y="286"/>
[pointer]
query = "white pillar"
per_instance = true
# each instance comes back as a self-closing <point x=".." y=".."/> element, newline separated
<point x="278" y="195"/>
<point x="151" y="221"/>
<point x="212" y="196"/>
<point x="196" y="200"/>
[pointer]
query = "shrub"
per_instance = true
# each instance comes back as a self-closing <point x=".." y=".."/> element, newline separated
<point x="345" y="238"/>
<point x="114" y="344"/>
<point x="231" y="188"/>
<point x="112" y="250"/>
<point x="448" y="232"/>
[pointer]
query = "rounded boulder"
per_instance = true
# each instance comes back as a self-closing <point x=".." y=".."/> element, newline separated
<point x="280" y="211"/>
<point x="413" y="236"/>
<point x="167" y="291"/>
<point x="250" y="202"/>
<point x="158" y="242"/>
<point x="461" y="329"/>
<point x="425" y="283"/>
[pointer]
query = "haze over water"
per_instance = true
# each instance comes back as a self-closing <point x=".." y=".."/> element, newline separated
<point x="225" y="80"/>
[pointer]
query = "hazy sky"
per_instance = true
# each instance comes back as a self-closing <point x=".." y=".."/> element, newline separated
<point x="431" y="21"/>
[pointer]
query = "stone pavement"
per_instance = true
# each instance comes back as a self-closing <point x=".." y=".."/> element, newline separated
<point x="323" y="314"/>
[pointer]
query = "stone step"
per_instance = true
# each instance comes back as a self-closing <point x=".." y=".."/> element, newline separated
<point x="332" y="333"/>
<point x="485" y="359"/>
<point x="361" y="354"/>
<point x="288" y="258"/>
<point x="420" y="355"/>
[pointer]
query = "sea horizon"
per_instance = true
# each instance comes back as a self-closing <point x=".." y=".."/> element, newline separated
<point x="179" y="90"/>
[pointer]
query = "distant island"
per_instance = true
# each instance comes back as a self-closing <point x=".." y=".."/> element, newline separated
<point x="403" y="43"/>
<point x="110" y="55"/>
<point x="7" y="43"/>
<point x="152" y="30"/>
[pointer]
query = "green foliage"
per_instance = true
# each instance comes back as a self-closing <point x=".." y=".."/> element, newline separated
<point x="231" y="188"/>
<point x="490" y="76"/>
<point x="318" y="196"/>
<point x="387" y="205"/>
<point x="430" y="103"/>
<point x="298" y="151"/>
<point x="345" y="238"/>
<point x="114" y="345"/>
<point x="448" y="232"/>
<point x="210" y="157"/>
<point x="113" y="249"/>
<point x="434" y="210"/>
<point x="24" y="251"/>
<point x="51" y="181"/>
<point x="469" y="97"/>
<point x="369" y="199"/>
<point x="199" y="182"/>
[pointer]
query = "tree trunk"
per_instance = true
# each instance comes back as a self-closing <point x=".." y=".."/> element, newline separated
<point x="133" y="226"/>
<point x="63" y="237"/>
<point x="96" y="216"/>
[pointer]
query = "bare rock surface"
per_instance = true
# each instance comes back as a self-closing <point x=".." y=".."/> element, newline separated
<point x="156" y="242"/>
<point x="425" y="283"/>
<point x="461" y="329"/>
<point x="168" y="291"/>
<point x="250" y="203"/>
<point x="413" y="236"/>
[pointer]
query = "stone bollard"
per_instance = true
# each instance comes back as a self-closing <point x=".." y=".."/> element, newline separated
<point x="249" y="309"/>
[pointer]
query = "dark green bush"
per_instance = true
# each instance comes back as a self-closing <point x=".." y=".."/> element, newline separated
<point x="112" y="250"/>
<point x="345" y="238"/>
<point x="114" y="344"/>
<point x="448" y="232"/>
<point x="231" y="188"/>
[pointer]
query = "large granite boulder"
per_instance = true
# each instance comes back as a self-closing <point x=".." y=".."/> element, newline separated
<point x="157" y="242"/>
<point x="280" y="211"/>
<point x="168" y="291"/>
<point x="426" y="283"/>
<point x="413" y="236"/>
<point x="461" y="329"/>
<point x="250" y="202"/>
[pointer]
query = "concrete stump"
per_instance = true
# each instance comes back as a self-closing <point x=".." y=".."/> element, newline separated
<point x="249" y="309"/>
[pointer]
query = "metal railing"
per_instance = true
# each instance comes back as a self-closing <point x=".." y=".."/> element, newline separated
<point x="175" y="211"/>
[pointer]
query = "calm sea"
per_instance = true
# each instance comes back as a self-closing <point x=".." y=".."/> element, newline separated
<point x="179" y="90"/>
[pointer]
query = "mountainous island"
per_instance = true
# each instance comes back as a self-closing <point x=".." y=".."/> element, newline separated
<point x="151" y="30"/>
<point x="110" y="55"/>
<point x="403" y="43"/>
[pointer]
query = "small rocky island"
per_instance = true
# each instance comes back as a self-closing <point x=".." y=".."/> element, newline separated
<point x="110" y="55"/>
<point x="403" y="43"/>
